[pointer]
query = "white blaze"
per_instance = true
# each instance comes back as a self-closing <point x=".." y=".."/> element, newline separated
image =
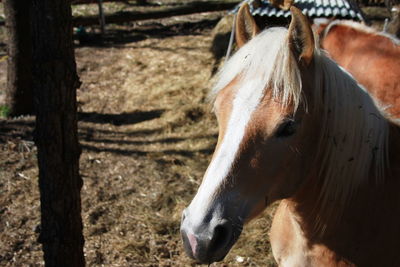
<point x="244" y="103"/>
<point x="253" y="64"/>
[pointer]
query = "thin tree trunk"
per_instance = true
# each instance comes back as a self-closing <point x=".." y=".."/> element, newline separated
<point x="19" y="97"/>
<point x="55" y="83"/>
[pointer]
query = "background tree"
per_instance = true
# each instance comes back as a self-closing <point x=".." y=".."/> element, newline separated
<point x="55" y="82"/>
<point x="19" y="78"/>
<point x="394" y="24"/>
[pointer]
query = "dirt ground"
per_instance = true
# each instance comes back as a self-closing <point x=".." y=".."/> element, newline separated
<point x="147" y="134"/>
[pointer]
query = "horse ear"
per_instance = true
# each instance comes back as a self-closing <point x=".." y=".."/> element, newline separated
<point x="301" y="37"/>
<point x="246" y="27"/>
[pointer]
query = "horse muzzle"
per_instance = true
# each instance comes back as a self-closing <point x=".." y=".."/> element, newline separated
<point x="208" y="241"/>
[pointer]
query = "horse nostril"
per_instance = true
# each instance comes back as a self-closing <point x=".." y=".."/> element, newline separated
<point x="221" y="236"/>
<point x="183" y="215"/>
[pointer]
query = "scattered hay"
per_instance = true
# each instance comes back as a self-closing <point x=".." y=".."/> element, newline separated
<point x="147" y="134"/>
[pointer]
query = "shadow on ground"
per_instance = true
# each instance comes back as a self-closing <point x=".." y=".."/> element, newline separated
<point x="120" y="119"/>
<point x="117" y="37"/>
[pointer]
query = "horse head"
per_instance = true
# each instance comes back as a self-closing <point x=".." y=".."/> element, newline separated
<point x="259" y="157"/>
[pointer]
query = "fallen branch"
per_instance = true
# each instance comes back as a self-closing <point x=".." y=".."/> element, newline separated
<point x="84" y="2"/>
<point x="190" y="8"/>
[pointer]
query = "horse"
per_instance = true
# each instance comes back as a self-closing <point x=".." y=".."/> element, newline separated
<point x="296" y="127"/>
<point x="373" y="58"/>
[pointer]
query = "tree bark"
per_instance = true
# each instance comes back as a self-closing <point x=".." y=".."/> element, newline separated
<point x="55" y="82"/>
<point x="19" y="97"/>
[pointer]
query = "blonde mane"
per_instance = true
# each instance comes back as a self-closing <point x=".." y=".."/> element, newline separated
<point x="254" y="62"/>
<point x="354" y="136"/>
<point x="354" y="132"/>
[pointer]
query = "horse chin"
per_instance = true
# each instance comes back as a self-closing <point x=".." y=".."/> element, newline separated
<point x="210" y="257"/>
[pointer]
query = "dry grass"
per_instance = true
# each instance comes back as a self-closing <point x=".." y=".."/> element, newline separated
<point x="147" y="135"/>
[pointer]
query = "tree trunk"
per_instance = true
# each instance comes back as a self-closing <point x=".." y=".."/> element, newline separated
<point x="19" y="97"/>
<point x="55" y="82"/>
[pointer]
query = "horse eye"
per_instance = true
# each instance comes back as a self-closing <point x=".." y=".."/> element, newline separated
<point x="286" y="129"/>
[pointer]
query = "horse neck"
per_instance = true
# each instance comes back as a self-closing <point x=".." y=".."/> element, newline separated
<point x="351" y="166"/>
<point x="368" y="224"/>
<point x="365" y="207"/>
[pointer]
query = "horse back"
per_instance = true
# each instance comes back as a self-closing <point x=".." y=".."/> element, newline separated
<point x="371" y="58"/>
